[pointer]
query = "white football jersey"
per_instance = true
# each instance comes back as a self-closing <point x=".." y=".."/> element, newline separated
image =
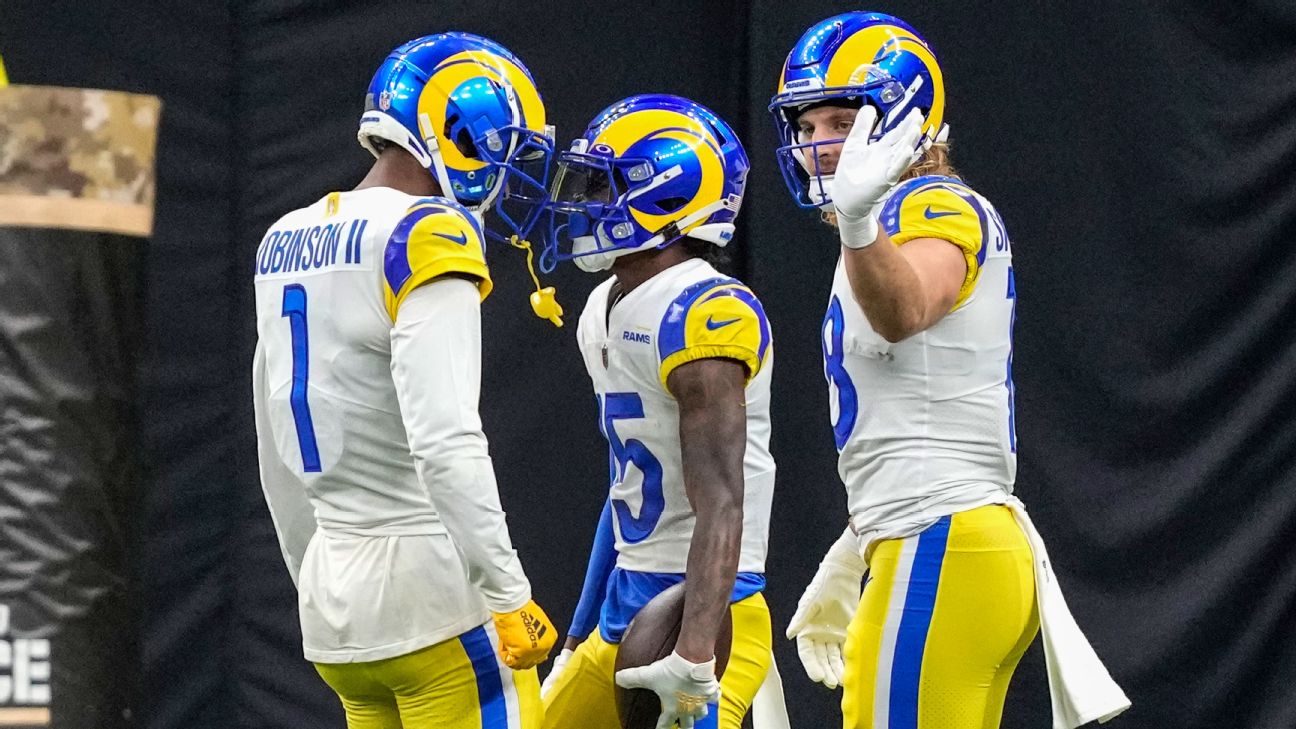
<point x="924" y="427"/>
<point x="377" y="573"/>
<point x="685" y="313"/>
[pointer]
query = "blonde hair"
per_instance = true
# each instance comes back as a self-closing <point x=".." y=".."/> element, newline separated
<point x="935" y="160"/>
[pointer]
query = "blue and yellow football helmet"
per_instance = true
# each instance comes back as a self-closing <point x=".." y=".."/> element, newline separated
<point x="854" y="58"/>
<point x="469" y="111"/>
<point x="648" y="171"/>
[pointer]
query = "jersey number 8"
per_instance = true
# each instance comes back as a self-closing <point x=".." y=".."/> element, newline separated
<point x="846" y="404"/>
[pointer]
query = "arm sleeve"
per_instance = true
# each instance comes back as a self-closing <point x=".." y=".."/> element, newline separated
<point x="436" y="366"/>
<point x="602" y="560"/>
<point x="723" y="321"/>
<point x="945" y="210"/>
<point x="285" y="494"/>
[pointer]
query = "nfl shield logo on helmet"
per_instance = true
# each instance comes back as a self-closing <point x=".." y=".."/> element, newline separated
<point x="384" y="100"/>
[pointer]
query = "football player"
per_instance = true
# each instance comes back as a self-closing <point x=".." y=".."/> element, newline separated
<point x="413" y="604"/>
<point x="917" y="345"/>
<point x="680" y="357"/>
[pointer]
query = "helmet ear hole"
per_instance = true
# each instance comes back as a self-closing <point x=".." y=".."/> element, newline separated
<point x="461" y="140"/>
<point x="671" y="204"/>
<point x="715" y="132"/>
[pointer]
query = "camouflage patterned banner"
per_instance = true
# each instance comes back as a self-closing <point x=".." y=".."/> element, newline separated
<point x="77" y="158"/>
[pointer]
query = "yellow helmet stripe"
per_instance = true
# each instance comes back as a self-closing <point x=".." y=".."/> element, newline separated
<point x="625" y="131"/>
<point x="863" y="47"/>
<point x="454" y="71"/>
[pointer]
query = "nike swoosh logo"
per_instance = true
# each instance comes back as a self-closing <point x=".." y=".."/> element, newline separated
<point x="932" y="215"/>
<point x="461" y="239"/>
<point x="711" y="323"/>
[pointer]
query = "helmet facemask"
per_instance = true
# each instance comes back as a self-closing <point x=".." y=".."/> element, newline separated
<point x="588" y="207"/>
<point x="591" y="206"/>
<point x="811" y="187"/>
<point x="524" y="185"/>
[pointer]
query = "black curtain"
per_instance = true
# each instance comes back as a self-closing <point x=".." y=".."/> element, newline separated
<point x="190" y="386"/>
<point x="1142" y="157"/>
<point x="69" y="332"/>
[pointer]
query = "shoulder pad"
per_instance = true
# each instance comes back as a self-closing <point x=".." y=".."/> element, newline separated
<point x="718" y="317"/>
<point x="944" y="208"/>
<point x="434" y="238"/>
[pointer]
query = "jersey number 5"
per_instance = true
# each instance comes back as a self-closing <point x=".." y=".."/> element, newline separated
<point x="294" y="307"/>
<point x="626" y="406"/>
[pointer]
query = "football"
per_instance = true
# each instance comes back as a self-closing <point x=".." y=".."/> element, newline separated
<point x="651" y="636"/>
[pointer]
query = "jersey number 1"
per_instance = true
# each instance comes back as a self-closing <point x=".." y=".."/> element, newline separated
<point x="294" y="307"/>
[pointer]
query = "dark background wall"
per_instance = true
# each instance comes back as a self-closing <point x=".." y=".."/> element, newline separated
<point x="1142" y="154"/>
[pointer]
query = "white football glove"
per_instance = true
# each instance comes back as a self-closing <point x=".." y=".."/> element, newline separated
<point x="685" y="688"/>
<point x="825" y="610"/>
<point x="867" y="169"/>
<point x="559" y="663"/>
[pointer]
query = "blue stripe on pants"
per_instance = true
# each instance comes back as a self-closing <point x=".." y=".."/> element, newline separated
<point x="911" y="639"/>
<point x="711" y="720"/>
<point x="490" y="689"/>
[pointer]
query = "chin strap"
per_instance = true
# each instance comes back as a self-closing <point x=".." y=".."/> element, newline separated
<point x="543" y="302"/>
<point x="716" y="233"/>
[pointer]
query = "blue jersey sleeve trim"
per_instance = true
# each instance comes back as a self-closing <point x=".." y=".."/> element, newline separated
<point x="396" y="267"/>
<point x="890" y="216"/>
<point x="670" y="337"/>
<point x="672" y="334"/>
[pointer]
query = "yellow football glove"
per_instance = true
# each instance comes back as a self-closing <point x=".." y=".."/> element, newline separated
<point x="526" y="635"/>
